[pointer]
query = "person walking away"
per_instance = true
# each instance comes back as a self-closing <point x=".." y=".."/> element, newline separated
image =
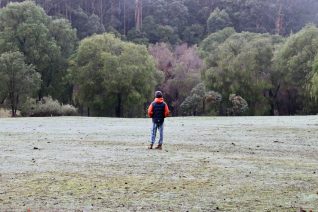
<point x="158" y="111"/>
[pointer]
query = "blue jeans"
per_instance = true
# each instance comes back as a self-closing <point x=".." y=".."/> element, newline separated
<point x="156" y="127"/>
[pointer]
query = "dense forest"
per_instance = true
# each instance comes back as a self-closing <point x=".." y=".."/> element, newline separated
<point x="209" y="57"/>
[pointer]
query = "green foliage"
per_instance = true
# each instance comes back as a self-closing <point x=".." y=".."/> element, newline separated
<point x="241" y="65"/>
<point x="113" y="77"/>
<point x="90" y="17"/>
<point x="18" y="80"/>
<point x="200" y="101"/>
<point x="314" y="86"/>
<point x="193" y="34"/>
<point x="210" y="44"/>
<point x="64" y="35"/>
<point x="218" y="20"/>
<point x="150" y="28"/>
<point x="167" y="34"/>
<point x="295" y="59"/>
<point x="45" y="43"/>
<point x="46" y="107"/>
<point x="85" y="24"/>
<point x="191" y="105"/>
<point x="155" y="32"/>
<point x="294" y="64"/>
<point x="239" y="105"/>
<point x="137" y="36"/>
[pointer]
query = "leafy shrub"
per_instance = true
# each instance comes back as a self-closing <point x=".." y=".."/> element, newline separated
<point x="201" y="101"/>
<point x="46" y="107"/>
<point x="191" y="105"/>
<point x="240" y="105"/>
<point x="68" y="110"/>
<point x="28" y="107"/>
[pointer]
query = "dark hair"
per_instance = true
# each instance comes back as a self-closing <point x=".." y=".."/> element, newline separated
<point x="158" y="94"/>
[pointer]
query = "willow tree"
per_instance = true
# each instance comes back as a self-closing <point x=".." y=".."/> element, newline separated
<point x="113" y="77"/>
<point x="294" y="66"/>
<point x="313" y="86"/>
<point x="241" y="64"/>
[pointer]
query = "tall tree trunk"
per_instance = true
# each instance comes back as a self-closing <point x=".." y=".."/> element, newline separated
<point x="203" y="106"/>
<point x="125" y="30"/>
<point x="11" y="94"/>
<point x="12" y="103"/>
<point x="101" y="12"/>
<point x="93" y="6"/>
<point x="138" y="15"/>
<point x="16" y="105"/>
<point x="280" y="19"/>
<point x="273" y="100"/>
<point x="114" y="12"/>
<point x="2" y="100"/>
<point x="40" y="92"/>
<point x="119" y="109"/>
<point x="66" y="12"/>
<point x="13" y="114"/>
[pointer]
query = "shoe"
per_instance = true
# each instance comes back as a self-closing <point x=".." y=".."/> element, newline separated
<point x="150" y="146"/>
<point x="159" y="147"/>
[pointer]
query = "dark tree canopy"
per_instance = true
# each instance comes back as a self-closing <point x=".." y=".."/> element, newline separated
<point x="182" y="18"/>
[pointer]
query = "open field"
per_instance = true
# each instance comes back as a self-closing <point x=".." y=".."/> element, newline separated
<point x="207" y="164"/>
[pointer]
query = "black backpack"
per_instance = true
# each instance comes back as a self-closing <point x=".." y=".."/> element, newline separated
<point x="158" y="112"/>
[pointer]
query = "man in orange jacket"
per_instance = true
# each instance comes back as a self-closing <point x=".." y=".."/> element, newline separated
<point x="158" y="111"/>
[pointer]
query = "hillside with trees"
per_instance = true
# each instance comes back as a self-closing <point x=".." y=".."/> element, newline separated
<point x="209" y="57"/>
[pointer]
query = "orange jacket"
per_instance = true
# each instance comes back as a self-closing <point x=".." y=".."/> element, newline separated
<point x="158" y="100"/>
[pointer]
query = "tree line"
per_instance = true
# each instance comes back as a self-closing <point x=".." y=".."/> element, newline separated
<point x="208" y="57"/>
<point x="179" y="21"/>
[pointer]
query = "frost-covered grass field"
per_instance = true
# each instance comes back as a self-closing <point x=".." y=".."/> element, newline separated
<point x="207" y="164"/>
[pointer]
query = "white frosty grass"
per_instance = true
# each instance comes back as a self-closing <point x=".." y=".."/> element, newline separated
<point x="207" y="164"/>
